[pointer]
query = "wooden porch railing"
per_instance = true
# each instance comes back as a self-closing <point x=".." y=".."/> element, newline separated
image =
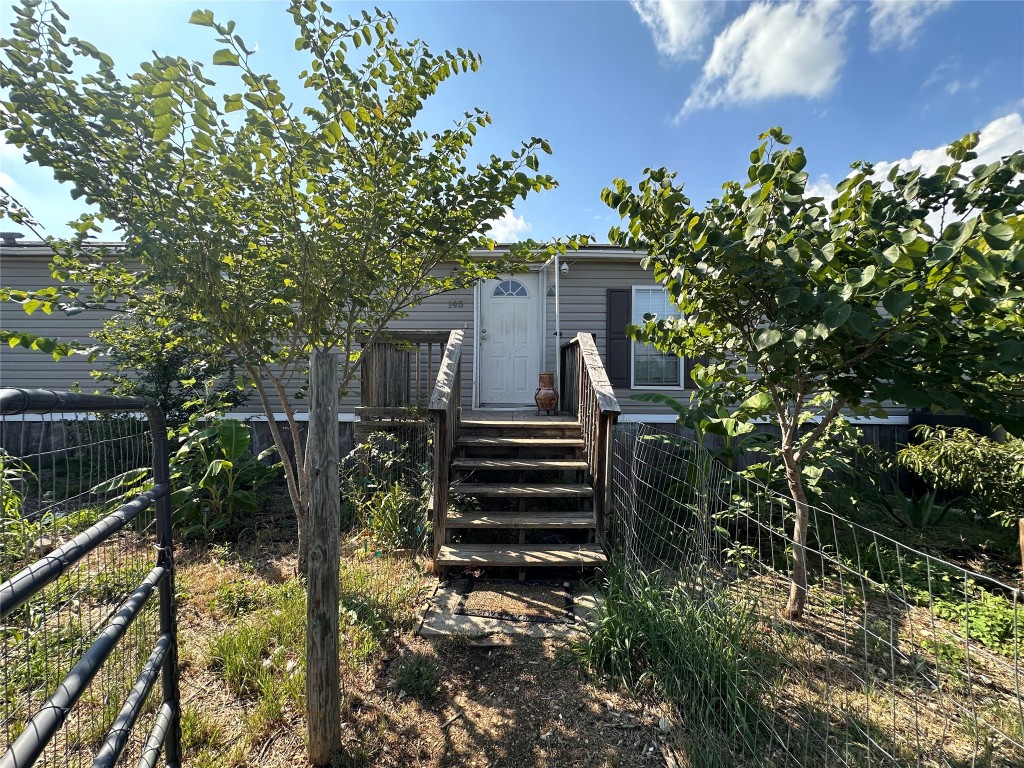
<point x="443" y="416"/>
<point x="399" y="369"/>
<point x="588" y="395"/>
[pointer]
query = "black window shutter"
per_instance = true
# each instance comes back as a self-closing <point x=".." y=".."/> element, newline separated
<point x="688" y="382"/>
<point x="620" y="314"/>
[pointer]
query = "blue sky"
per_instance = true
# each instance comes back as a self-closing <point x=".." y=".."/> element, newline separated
<point x="618" y="86"/>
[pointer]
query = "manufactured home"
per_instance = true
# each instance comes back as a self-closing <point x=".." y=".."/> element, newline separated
<point x="513" y="329"/>
<point x="469" y="364"/>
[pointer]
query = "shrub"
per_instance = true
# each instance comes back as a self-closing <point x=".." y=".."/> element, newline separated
<point x="918" y="512"/>
<point x="381" y="480"/>
<point x="215" y="476"/>
<point x="960" y="460"/>
<point x="395" y="518"/>
<point x="17" y="532"/>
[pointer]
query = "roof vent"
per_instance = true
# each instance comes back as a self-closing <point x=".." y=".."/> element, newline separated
<point x="10" y="238"/>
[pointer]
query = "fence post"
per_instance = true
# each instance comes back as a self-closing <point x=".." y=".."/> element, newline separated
<point x="165" y="557"/>
<point x="323" y="686"/>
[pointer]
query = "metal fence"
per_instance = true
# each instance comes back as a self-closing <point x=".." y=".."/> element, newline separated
<point x="901" y="658"/>
<point x="88" y="653"/>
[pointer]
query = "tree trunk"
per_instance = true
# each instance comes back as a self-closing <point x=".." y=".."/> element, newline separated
<point x="296" y="475"/>
<point x="798" y="588"/>
<point x="302" y="521"/>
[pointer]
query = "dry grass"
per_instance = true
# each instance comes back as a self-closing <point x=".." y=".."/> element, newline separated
<point x="880" y="680"/>
<point x="499" y="705"/>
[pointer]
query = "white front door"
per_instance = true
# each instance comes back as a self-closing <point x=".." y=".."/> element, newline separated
<point x="509" y="340"/>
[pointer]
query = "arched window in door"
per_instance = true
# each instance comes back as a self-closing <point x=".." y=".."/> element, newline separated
<point x="510" y="288"/>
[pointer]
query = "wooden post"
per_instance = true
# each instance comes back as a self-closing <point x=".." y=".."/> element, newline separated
<point x="1020" y="528"/>
<point x="441" y="459"/>
<point x="323" y="686"/>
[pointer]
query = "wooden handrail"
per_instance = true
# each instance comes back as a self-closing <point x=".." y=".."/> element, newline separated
<point x="411" y="336"/>
<point x="443" y="414"/>
<point x="399" y="368"/>
<point x="588" y="394"/>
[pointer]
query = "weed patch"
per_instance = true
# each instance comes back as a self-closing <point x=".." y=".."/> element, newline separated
<point x="418" y="676"/>
<point x="698" y="650"/>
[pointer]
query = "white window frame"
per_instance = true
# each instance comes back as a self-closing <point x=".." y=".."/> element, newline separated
<point x="633" y="344"/>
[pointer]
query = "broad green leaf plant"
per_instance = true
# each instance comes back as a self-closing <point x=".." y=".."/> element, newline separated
<point x="272" y="230"/>
<point x="903" y="289"/>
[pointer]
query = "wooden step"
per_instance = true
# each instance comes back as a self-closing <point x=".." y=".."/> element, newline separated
<point x="556" y="430"/>
<point x="524" y="490"/>
<point x="520" y="442"/>
<point x="559" y="520"/>
<point x="532" y="464"/>
<point x="525" y="555"/>
<point x="517" y="422"/>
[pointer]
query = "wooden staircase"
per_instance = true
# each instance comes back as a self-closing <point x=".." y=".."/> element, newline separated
<point x="520" y="492"/>
<point x="519" y="496"/>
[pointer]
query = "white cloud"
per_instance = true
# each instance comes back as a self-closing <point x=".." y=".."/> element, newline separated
<point x="896" y="22"/>
<point x="774" y="50"/>
<point x="509" y="228"/>
<point x="822" y="187"/>
<point x="1003" y="136"/>
<point x="7" y="182"/>
<point x="959" y="85"/>
<point x="678" y="27"/>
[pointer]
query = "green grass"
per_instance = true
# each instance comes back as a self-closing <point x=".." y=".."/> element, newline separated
<point x="261" y="655"/>
<point x="199" y="732"/>
<point x="237" y="597"/>
<point x="256" y="655"/>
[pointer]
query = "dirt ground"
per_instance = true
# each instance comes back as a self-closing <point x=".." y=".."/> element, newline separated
<point x="499" y="703"/>
<point x="520" y="704"/>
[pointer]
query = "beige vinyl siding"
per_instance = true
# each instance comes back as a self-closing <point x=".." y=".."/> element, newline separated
<point x="583" y="307"/>
<point x="583" y="294"/>
<point x="583" y="300"/>
<point x="30" y="368"/>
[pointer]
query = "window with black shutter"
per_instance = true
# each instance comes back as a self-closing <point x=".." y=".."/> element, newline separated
<point x="639" y="366"/>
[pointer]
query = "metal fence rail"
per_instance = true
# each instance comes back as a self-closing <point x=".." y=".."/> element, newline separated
<point x="902" y="658"/>
<point x="88" y="659"/>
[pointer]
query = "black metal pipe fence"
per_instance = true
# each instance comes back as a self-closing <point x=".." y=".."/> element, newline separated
<point x="88" y="658"/>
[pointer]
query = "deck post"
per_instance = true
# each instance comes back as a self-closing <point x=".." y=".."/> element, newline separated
<point x="443" y="411"/>
<point x="323" y="685"/>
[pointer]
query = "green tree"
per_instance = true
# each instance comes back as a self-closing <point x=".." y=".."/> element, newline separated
<point x="158" y="359"/>
<point x="906" y="288"/>
<point x="271" y="230"/>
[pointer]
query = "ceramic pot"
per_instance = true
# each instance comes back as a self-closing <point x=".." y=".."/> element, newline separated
<point x="546" y="395"/>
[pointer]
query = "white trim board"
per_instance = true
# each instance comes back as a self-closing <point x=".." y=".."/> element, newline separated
<point x="342" y="417"/>
<point x="668" y="418"/>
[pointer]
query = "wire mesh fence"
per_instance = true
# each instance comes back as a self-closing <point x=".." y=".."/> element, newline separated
<point x="385" y="482"/>
<point x="62" y="478"/>
<point x="385" y="485"/>
<point x="901" y="658"/>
